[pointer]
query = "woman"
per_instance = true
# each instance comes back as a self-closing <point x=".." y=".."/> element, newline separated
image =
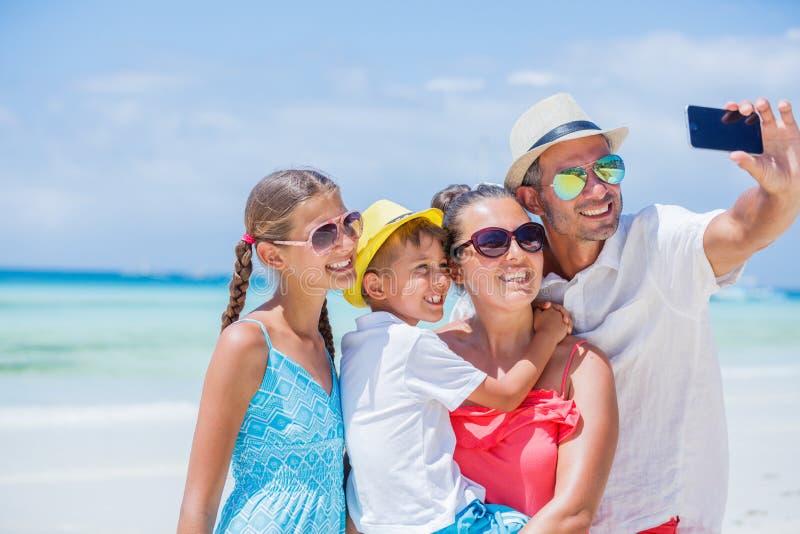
<point x="549" y="458"/>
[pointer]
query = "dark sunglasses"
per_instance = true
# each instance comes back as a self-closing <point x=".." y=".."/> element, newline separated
<point x="494" y="242"/>
<point x="323" y="238"/>
<point x="569" y="183"/>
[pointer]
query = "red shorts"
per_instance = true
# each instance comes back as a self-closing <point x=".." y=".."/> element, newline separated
<point x="670" y="527"/>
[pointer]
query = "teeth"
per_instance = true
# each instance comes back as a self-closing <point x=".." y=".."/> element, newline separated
<point x="518" y="276"/>
<point x="598" y="211"/>
<point x="340" y="265"/>
<point x="435" y="299"/>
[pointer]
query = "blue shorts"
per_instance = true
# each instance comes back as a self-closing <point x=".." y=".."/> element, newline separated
<point x="479" y="518"/>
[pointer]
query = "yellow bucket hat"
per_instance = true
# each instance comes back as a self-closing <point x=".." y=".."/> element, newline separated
<point x="381" y="219"/>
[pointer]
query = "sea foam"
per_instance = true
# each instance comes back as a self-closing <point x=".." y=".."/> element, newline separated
<point x="32" y="417"/>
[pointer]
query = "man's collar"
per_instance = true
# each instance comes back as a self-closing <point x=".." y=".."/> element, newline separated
<point x="609" y="256"/>
<point x="612" y="249"/>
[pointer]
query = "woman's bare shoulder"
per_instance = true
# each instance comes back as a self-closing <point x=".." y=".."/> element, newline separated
<point x="584" y="350"/>
<point x="454" y="327"/>
<point x="562" y="357"/>
<point x="455" y="332"/>
<point x="588" y="362"/>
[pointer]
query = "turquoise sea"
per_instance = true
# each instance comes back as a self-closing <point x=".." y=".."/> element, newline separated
<point x="85" y="337"/>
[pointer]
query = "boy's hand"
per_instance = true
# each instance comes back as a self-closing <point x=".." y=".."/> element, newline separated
<point x="550" y="322"/>
<point x="546" y="305"/>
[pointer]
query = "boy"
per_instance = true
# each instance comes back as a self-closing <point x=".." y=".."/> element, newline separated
<point x="399" y="383"/>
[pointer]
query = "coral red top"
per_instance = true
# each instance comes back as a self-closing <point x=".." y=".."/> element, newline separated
<point x="514" y="454"/>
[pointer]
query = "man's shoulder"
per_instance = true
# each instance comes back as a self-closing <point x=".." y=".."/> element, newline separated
<point x="653" y="213"/>
<point x="664" y="213"/>
<point x="665" y="221"/>
<point x="654" y="218"/>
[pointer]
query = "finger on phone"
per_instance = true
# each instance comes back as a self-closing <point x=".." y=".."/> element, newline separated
<point x="785" y="109"/>
<point x="751" y="119"/>
<point x="731" y="117"/>
<point x="730" y="105"/>
<point x="765" y="110"/>
<point x="746" y="107"/>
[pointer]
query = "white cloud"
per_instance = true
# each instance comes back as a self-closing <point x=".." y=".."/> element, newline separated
<point x="455" y="85"/>
<point x="216" y="120"/>
<point x="124" y="112"/>
<point x="352" y="81"/>
<point x="130" y="82"/>
<point x="6" y="117"/>
<point x="401" y="92"/>
<point x="532" y="78"/>
<point x="793" y="34"/>
<point x="672" y="63"/>
<point x="42" y="209"/>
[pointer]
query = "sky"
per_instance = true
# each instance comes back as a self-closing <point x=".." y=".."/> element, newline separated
<point x="130" y="135"/>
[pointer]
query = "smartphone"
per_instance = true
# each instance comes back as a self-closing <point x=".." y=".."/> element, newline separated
<point x="720" y="129"/>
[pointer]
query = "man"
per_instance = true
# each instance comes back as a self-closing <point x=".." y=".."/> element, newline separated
<point x="638" y="286"/>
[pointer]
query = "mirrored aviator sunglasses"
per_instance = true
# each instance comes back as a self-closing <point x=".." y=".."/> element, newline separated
<point x="568" y="183"/>
<point x="324" y="237"/>
<point x="493" y="242"/>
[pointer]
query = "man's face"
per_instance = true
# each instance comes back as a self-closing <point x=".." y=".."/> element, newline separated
<point x="591" y="216"/>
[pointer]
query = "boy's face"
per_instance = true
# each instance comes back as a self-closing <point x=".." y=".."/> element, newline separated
<point x="416" y="285"/>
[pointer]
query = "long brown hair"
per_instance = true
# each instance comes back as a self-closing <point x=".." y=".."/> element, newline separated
<point x="267" y="217"/>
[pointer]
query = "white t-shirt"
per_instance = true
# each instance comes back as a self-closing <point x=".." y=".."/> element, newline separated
<point x="644" y="302"/>
<point x="398" y="384"/>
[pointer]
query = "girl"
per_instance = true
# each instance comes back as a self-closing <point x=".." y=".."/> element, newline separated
<point x="271" y="398"/>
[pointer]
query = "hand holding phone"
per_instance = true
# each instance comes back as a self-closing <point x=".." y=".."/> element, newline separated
<point x="720" y="129"/>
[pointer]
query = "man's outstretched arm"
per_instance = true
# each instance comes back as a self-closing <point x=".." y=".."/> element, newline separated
<point x="764" y="212"/>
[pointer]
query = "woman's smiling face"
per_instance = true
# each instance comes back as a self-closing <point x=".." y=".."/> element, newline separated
<point x="509" y="280"/>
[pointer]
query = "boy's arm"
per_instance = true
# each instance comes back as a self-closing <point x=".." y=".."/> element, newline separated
<point x="508" y="392"/>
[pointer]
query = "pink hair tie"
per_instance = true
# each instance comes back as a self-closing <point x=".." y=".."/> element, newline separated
<point x="248" y="239"/>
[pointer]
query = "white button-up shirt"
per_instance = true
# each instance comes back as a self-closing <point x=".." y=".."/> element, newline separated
<point x="644" y="302"/>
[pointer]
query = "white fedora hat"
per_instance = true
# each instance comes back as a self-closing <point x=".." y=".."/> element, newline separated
<point x="555" y="119"/>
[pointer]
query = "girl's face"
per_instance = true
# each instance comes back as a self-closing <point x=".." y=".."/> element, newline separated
<point x="508" y="281"/>
<point x="332" y="270"/>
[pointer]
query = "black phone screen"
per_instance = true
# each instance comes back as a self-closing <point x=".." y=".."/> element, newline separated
<point x="719" y="129"/>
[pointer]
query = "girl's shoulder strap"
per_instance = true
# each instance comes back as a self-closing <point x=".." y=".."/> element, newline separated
<point x="569" y="364"/>
<point x="263" y="329"/>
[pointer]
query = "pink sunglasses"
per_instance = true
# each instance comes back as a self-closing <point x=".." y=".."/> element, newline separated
<point x="323" y="238"/>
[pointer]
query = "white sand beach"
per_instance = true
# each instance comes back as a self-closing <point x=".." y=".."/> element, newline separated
<point x="121" y="467"/>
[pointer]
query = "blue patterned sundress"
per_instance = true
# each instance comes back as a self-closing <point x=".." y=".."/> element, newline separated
<point x="288" y="458"/>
